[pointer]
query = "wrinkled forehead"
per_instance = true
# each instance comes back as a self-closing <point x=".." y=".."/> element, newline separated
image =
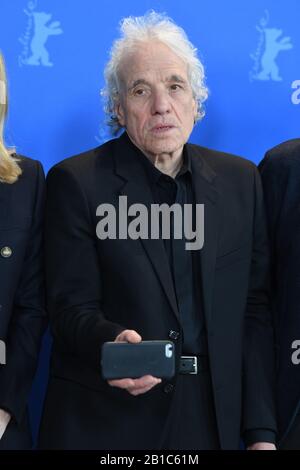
<point x="153" y="60"/>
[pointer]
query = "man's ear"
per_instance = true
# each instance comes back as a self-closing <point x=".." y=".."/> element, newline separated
<point x="119" y="111"/>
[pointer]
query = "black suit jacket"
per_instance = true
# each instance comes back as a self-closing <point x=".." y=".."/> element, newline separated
<point x="280" y="171"/>
<point x="22" y="314"/>
<point x="97" y="288"/>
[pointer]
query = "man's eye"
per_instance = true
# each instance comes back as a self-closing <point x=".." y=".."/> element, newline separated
<point x="139" y="92"/>
<point x="175" y="87"/>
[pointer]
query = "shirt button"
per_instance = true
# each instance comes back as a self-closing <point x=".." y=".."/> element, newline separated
<point x="6" y="252"/>
<point x="174" y="334"/>
<point x="168" y="388"/>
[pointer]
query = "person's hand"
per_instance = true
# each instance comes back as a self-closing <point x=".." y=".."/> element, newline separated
<point x="5" y="418"/>
<point x="262" y="446"/>
<point x="133" y="386"/>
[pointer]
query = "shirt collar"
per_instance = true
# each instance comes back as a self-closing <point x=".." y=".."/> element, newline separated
<point x="154" y="173"/>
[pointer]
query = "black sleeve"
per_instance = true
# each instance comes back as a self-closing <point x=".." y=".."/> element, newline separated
<point x="73" y="272"/>
<point x="259" y="435"/>
<point x="259" y="354"/>
<point x="275" y="179"/>
<point x="28" y="319"/>
<point x="274" y="182"/>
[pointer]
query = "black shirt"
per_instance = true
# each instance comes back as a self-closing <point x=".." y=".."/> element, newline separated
<point x="184" y="264"/>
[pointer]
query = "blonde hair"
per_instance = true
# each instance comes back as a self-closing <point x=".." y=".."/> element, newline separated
<point x="9" y="168"/>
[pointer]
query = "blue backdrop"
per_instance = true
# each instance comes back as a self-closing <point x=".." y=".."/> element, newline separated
<point x="55" y="52"/>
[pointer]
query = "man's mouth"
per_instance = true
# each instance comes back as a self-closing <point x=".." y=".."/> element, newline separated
<point x="162" y="128"/>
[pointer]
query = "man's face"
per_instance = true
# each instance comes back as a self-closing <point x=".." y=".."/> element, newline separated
<point x="156" y="105"/>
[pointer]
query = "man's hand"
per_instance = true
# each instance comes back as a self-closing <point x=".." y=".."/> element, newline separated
<point x="134" y="386"/>
<point x="4" y="420"/>
<point x="262" y="446"/>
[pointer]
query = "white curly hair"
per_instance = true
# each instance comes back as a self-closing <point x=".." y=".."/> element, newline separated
<point x="151" y="26"/>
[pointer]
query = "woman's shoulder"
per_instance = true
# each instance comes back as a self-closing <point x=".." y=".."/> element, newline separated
<point x="26" y="162"/>
<point x="31" y="168"/>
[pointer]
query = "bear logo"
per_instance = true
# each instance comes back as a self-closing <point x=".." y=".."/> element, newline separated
<point x="273" y="45"/>
<point x="42" y="30"/>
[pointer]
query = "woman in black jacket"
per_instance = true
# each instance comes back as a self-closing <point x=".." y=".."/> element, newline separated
<point x="22" y="314"/>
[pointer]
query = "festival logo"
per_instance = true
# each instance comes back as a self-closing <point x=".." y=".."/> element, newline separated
<point x="34" y="40"/>
<point x="271" y="43"/>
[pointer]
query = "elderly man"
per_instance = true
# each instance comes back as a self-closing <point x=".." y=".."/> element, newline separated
<point x="280" y="171"/>
<point x="213" y="303"/>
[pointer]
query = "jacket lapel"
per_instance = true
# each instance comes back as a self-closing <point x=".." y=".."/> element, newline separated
<point x="137" y="190"/>
<point x="204" y="180"/>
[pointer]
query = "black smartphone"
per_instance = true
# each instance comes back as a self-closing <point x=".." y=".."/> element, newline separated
<point x="127" y="360"/>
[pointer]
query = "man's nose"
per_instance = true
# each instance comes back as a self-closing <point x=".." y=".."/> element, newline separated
<point x="160" y="102"/>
